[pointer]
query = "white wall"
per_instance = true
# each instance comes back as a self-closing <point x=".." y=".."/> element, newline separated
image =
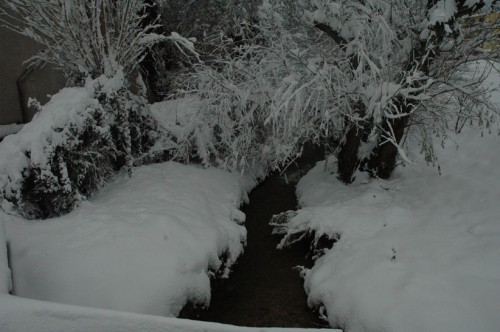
<point x="14" y="50"/>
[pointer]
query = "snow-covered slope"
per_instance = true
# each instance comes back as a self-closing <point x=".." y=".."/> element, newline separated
<point x="144" y="244"/>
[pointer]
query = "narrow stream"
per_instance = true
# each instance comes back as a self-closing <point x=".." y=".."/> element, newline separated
<point x="264" y="289"/>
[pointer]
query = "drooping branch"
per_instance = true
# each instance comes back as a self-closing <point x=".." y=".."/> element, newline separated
<point x="331" y="33"/>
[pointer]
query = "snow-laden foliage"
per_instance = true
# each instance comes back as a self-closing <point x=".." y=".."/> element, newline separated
<point x="73" y="146"/>
<point x="84" y="37"/>
<point x="201" y="21"/>
<point x="247" y="87"/>
<point x="203" y="17"/>
<point x="397" y="67"/>
<point x="364" y="76"/>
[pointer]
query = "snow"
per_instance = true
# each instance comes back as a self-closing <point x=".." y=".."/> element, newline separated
<point x="145" y="244"/>
<point x="6" y="130"/>
<point x="17" y="314"/>
<point x="442" y="12"/>
<point x="49" y="128"/>
<point x="106" y="84"/>
<point x="176" y="115"/>
<point x="31" y="144"/>
<point x="418" y="252"/>
<point x="185" y="45"/>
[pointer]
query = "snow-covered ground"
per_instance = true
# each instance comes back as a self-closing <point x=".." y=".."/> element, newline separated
<point x="23" y="315"/>
<point x="144" y="244"/>
<point x="18" y="314"/>
<point x="418" y="252"/>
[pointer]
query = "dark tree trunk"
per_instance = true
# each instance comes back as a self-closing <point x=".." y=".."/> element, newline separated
<point x="383" y="158"/>
<point x="152" y="11"/>
<point x="347" y="156"/>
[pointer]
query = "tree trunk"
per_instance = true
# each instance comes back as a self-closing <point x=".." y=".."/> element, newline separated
<point x="151" y="13"/>
<point x="347" y="156"/>
<point x="383" y="158"/>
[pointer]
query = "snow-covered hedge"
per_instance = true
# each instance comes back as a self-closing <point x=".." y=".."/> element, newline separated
<point x="73" y="145"/>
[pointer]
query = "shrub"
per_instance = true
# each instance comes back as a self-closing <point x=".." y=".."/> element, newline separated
<point x="73" y="146"/>
<point x="84" y="37"/>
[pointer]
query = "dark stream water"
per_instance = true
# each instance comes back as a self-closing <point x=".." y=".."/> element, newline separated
<point x="264" y="289"/>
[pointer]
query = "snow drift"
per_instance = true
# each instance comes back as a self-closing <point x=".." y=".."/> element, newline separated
<point x="145" y="244"/>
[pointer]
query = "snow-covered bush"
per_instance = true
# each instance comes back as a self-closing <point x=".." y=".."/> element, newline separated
<point x="230" y="129"/>
<point x="204" y="17"/>
<point x="261" y="99"/>
<point x="72" y="147"/>
<point x="84" y="37"/>
<point x="205" y="22"/>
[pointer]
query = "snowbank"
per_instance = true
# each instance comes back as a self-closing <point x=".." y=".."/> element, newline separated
<point x="6" y="130"/>
<point x="144" y="244"/>
<point x="17" y="314"/>
<point x="420" y="252"/>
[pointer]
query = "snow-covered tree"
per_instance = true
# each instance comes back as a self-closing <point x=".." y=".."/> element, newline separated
<point x="408" y="64"/>
<point x="362" y="77"/>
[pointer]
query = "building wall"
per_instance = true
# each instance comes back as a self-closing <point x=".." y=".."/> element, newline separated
<point x="474" y="25"/>
<point x="14" y="50"/>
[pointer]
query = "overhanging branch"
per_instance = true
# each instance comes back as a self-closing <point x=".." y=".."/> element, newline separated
<point x="331" y="33"/>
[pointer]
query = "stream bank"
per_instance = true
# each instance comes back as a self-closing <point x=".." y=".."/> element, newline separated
<point x="264" y="288"/>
